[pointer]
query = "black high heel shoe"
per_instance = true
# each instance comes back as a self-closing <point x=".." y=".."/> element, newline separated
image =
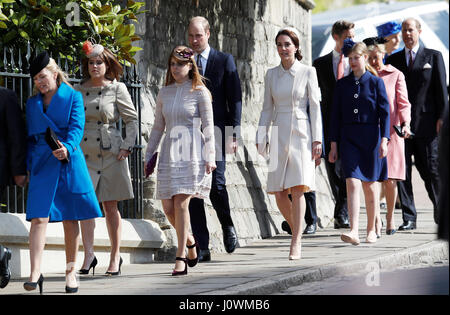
<point x="115" y="273"/>
<point x="181" y="273"/>
<point x="92" y="265"/>
<point x="30" y="286"/>
<point x="192" y="262"/>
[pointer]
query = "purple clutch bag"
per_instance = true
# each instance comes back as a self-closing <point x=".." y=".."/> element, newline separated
<point x="150" y="167"/>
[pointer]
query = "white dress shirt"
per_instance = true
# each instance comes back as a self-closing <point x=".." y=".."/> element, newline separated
<point x="204" y="58"/>
<point x="414" y="53"/>
<point x="336" y="58"/>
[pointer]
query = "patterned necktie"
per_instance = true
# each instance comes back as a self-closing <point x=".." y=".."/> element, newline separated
<point x="340" y="68"/>
<point x="411" y="61"/>
<point x="199" y="64"/>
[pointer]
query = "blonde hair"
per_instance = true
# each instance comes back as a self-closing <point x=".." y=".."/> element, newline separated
<point x="361" y="49"/>
<point x="185" y="55"/>
<point x="60" y="78"/>
<point x="380" y="47"/>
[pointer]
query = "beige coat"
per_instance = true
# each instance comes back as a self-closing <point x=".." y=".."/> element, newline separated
<point x="102" y="141"/>
<point x="285" y="110"/>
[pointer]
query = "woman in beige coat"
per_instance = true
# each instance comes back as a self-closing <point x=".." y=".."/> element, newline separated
<point x="296" y="137"/>
<point x="106" y="101"/>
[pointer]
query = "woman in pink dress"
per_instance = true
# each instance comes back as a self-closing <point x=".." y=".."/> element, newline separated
<point x="400" y="114"/>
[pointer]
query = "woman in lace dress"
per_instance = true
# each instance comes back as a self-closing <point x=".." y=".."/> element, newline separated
<point x="187" y="157"/>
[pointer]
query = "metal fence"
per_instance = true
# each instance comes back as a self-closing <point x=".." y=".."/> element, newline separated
<point x="14" y="76"/>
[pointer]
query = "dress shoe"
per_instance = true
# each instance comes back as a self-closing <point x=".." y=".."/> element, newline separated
<point x="310" y="229"/>
<point x="371" y="238"/>
<point x="285" y="227"/>
<point x="407" y="225"/>
<point x="341" y="223"/>
<point x="204" y="255"/>
<point x="229" y="238"/>
<point x="5" y="273"/>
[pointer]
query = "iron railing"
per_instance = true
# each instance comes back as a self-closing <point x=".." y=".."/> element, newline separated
<point x="14" y="76"/>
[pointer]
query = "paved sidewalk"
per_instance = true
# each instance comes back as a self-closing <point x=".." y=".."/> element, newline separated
<point x="263" y="267"/>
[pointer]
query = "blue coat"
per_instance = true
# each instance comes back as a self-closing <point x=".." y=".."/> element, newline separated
<point x="360" y="118"/>
<point x="58" y="191"/>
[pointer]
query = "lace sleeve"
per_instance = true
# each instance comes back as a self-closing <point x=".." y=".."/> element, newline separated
<point x="206" y="115"/>
<point x="157" y="132"/>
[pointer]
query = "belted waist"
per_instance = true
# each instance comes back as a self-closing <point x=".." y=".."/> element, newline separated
<point x="284" y="109"/>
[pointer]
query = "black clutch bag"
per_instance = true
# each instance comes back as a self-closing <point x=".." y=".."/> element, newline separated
<point x="52" y="140"/>
<point x="150" y="167"/>
<point x="398" y="131"/>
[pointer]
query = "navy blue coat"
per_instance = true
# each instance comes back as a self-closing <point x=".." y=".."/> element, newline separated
<point x="225" y="87"/>
<point x="360" y="118"/>
<point x="58" y="191"/>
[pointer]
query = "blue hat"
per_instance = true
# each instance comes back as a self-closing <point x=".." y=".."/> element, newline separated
<point x="389" y="28"/>
<point x="348" y="45"/>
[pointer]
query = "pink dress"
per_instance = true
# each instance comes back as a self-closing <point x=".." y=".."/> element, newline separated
<point x="397" y="93"/>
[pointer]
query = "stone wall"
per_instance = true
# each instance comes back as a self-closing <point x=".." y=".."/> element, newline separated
<point x="247" y="30"/>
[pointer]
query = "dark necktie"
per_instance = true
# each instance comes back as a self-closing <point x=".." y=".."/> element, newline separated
<point x="411" y="61"/>
<point x="199" y="64"/>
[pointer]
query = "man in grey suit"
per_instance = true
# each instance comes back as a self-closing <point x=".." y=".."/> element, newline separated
<point x="424" y="72"/>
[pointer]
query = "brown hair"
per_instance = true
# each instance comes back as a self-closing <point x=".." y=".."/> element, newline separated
<point x="293" y="36"/>
<point x="114" y="69"/>
<point x="361" y="49"/>
<point x="341" y="26"/>
<point x="202" y="20"/>
<point x="184" y="55"/>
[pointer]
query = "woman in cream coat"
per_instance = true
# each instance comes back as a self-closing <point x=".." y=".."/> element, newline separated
<point x="292" y="106"/>
<point x="106" y="101"/>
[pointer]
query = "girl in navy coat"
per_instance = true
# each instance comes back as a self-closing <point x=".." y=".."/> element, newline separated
<point x="360" y="132"/>
<point x="57" y="191"/>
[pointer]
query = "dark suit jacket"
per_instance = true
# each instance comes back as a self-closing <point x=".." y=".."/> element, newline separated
<point x="224" y="84"/>
<point x="427" y="90"/>
<point x="13" y="147"/>
<point x="327" y="83"/>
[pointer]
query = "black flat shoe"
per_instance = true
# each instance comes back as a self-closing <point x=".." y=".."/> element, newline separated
<point x="391" y="232"/>
<point x="204" y="255"/>
<point x="229" y="238"/>
<point x="30" y="286"/>
<point x="115" y="273"/>
<point x="285" y="227"/>
<point x="341" y="223"/>
<point x="310" y="229"/>
<point x="407" y="225"/>
<point x="92" y="265"/>
<point x="5" y="272"/>
<point x="71" y="290"/>
<point x="180" y="273"/>
<point x="192" y="262"/>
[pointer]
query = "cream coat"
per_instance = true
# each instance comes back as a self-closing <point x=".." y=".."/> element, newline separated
<point x="290" y="143"/>
<point x="102" y="141"/>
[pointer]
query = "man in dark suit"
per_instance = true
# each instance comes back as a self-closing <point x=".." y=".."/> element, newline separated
<point x="12" y="160"/>
<point x="424" y="71"/>
<point x="222" y="80"/>
<point x="331" y="68"/>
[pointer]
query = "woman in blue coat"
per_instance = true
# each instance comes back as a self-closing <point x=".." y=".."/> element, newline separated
<point x="360" y="127"/>
<point x="57" y="191"/>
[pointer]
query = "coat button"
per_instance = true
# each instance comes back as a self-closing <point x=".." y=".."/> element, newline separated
<point x="87" y="93"/>
<point x="85" y="108"/>
<point x="99" y="122"/>
<point x="99" y="155"/>
<point x="356" y="96"/>
<point x="85" y="139"/>
<point x="98" y="139"/>
<point x="99" y="172"/>
<point x="97" y="107"/>
<point x="100" y="93"/>
<point x="357" y="82"/>
<point x="355" y="111"/>
<point x="86" y="156"/>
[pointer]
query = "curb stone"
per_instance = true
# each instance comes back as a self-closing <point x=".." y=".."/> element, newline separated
<point x="434" y="251"/>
